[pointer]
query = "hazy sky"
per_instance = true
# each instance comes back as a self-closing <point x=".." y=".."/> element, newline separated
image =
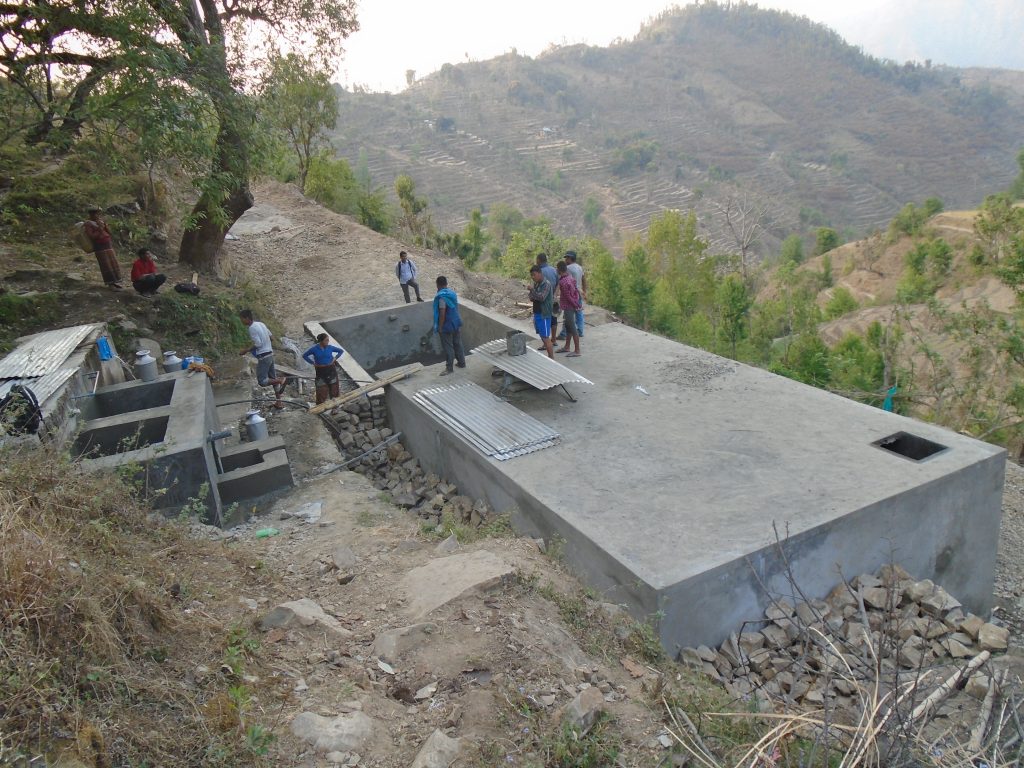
<point x="397" y="35"/>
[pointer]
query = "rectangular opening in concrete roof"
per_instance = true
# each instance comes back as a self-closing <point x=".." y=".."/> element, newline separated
<point x="910" y="446"/>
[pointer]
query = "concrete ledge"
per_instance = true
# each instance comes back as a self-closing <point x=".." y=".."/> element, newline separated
<point x="270" y="474"/>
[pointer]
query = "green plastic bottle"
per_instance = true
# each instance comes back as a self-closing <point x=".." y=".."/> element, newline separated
<point x="263" y="533"/>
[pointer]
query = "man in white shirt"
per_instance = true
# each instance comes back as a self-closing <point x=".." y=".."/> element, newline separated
<point x="266" y="373"/>
<point x="405" y="271"/>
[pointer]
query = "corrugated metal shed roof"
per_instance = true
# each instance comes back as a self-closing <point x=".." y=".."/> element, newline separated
<point x="495" y="427"/>
<point x="43" y="387"/>
<point x="44" y="352"/>
<point x="534" y="368"/>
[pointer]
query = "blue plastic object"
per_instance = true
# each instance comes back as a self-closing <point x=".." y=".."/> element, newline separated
<point x="103" y="345"/>
<point x="191" y="359"/>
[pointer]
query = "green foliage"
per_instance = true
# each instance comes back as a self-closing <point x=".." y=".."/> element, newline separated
<point x="475" y="235"/>
<point x="206" y="324"/>
<point x="792" y="250"/>
<point x="825" y="239"/>
<point x="733" y="302"/>
<point x="826" y="271"/>
<point x="911" y="219"/>
<point x="914" y="287"/>
<point x="1000" y="226"/>
<point x="592" y="221"/>
<point x="569" y="748"/>
<point x="24" y="314"/>
<point x="1017" y="188"/>
<point x="841" y="303"/>
<point x="524" y="247"/>
<point x="636" y="155"/>
<point x="299" y="102"/>
<point x="638" y="281"/>
<point x="414" y="220"/>
<point x="331" y="183"/>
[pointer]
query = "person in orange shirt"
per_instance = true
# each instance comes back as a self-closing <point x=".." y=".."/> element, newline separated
<point x="145" y="279"/>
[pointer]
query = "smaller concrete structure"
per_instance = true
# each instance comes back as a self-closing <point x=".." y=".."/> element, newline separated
<point x="169" y="427"/>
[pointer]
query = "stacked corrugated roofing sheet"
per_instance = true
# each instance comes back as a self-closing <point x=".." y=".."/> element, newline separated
<point x="496" y="428"/>
<point x="535" y="369"/>
<point x="40" y="362"/>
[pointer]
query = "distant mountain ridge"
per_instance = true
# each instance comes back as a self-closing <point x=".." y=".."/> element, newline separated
<point x="706" y="103"/>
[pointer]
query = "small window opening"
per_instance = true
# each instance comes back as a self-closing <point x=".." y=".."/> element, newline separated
<point x="910" y="446"/>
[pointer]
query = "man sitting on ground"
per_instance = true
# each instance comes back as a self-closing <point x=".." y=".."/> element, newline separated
<point x="266" y="373"/>
<point x="145" y="279"/>
<point x="323" y="356"/>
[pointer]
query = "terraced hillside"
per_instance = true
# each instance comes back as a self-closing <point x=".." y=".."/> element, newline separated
<point x="706" y="104"/>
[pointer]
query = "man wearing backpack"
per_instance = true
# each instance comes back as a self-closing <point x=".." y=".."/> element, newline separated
<point x="405" y="271"/>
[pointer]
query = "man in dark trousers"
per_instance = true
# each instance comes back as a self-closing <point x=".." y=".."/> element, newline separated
<point x="448" y="323"/>
<point x="102" y="245"/>
<point x="552" y="278"/>
<point x="405" y="271"/>
<point x="323" y="357"/>
<point x="145" y="279"/>
<point x="540" y="295"/>
<point x="266" y="373"/>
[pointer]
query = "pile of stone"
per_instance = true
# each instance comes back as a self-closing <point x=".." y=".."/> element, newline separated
<point x="360" y="428"/>
<point x="886" y="627"/>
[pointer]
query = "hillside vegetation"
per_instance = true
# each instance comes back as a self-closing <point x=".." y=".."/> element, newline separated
<point x="706" y="106"/>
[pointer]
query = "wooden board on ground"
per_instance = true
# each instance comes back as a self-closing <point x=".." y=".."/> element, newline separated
<point x="292" y="372"/>
<point x="348" y="397"/>
<point x="195" y="278"/>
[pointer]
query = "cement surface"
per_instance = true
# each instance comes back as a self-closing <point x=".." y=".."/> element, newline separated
<point x="677" y="467"/>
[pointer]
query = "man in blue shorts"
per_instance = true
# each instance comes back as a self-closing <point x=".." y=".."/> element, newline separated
<point x="541" y="295"/>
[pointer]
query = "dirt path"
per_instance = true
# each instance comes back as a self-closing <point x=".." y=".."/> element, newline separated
<point x="317" y="264"/>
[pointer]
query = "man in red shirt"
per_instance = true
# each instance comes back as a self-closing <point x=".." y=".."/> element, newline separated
<point x="145" y="279"/>
<point x="99" y="233"/>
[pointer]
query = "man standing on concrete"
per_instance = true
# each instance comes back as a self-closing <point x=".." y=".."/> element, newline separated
<point x="448" y="323"/>
<point x="573" y="264"/>
<point x="540" y="295"/>
<point x="405" y="271"/>
<point x="569" y="299"/>
<point x="552" y="277"/>
<point x="102" y="245"/>
<point x="323" y="357"/>
<point x="266" y="373"/>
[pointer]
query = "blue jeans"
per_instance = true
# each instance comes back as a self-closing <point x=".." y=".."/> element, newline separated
<point x="452" y="343"/>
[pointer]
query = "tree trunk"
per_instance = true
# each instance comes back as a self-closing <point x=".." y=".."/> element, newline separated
<point x="200" y="246"/>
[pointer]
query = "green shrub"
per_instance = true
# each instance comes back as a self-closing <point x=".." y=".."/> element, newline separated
<point x="841" y="303"/>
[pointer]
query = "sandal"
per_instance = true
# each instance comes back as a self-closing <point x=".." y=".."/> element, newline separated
<point x="574" y="354"/>
<point x="560" y="351"/>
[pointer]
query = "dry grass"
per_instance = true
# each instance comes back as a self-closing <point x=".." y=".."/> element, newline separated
<point x="93" y="645"/>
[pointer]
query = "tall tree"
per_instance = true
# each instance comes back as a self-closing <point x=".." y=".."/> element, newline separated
<point x="301" y="103"/>
<point x="60" y="51"/>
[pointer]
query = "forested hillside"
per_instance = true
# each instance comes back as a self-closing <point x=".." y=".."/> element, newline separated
<point x="719" y="109"/>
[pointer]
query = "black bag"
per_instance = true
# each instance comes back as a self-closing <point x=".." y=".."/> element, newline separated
<point x="188" y="287"/>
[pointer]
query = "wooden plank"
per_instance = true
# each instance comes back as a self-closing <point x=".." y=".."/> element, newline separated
<point x="292" y="372"/>
<point x="195" y="278"/>
<point x="348" y="397"/>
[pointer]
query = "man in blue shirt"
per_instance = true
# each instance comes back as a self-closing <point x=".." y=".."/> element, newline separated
<point x="551" y="276"/>
<point x="405" y="271"/>
<point x="322" y="357"/>
<point x="448" y="323"/>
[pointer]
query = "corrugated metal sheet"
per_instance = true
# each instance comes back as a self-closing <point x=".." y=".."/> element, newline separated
<point x="534" y="368"/>
<point x="493" y="426"/>
<point x="43" y="387"/>
<point x="44" y="353"/>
